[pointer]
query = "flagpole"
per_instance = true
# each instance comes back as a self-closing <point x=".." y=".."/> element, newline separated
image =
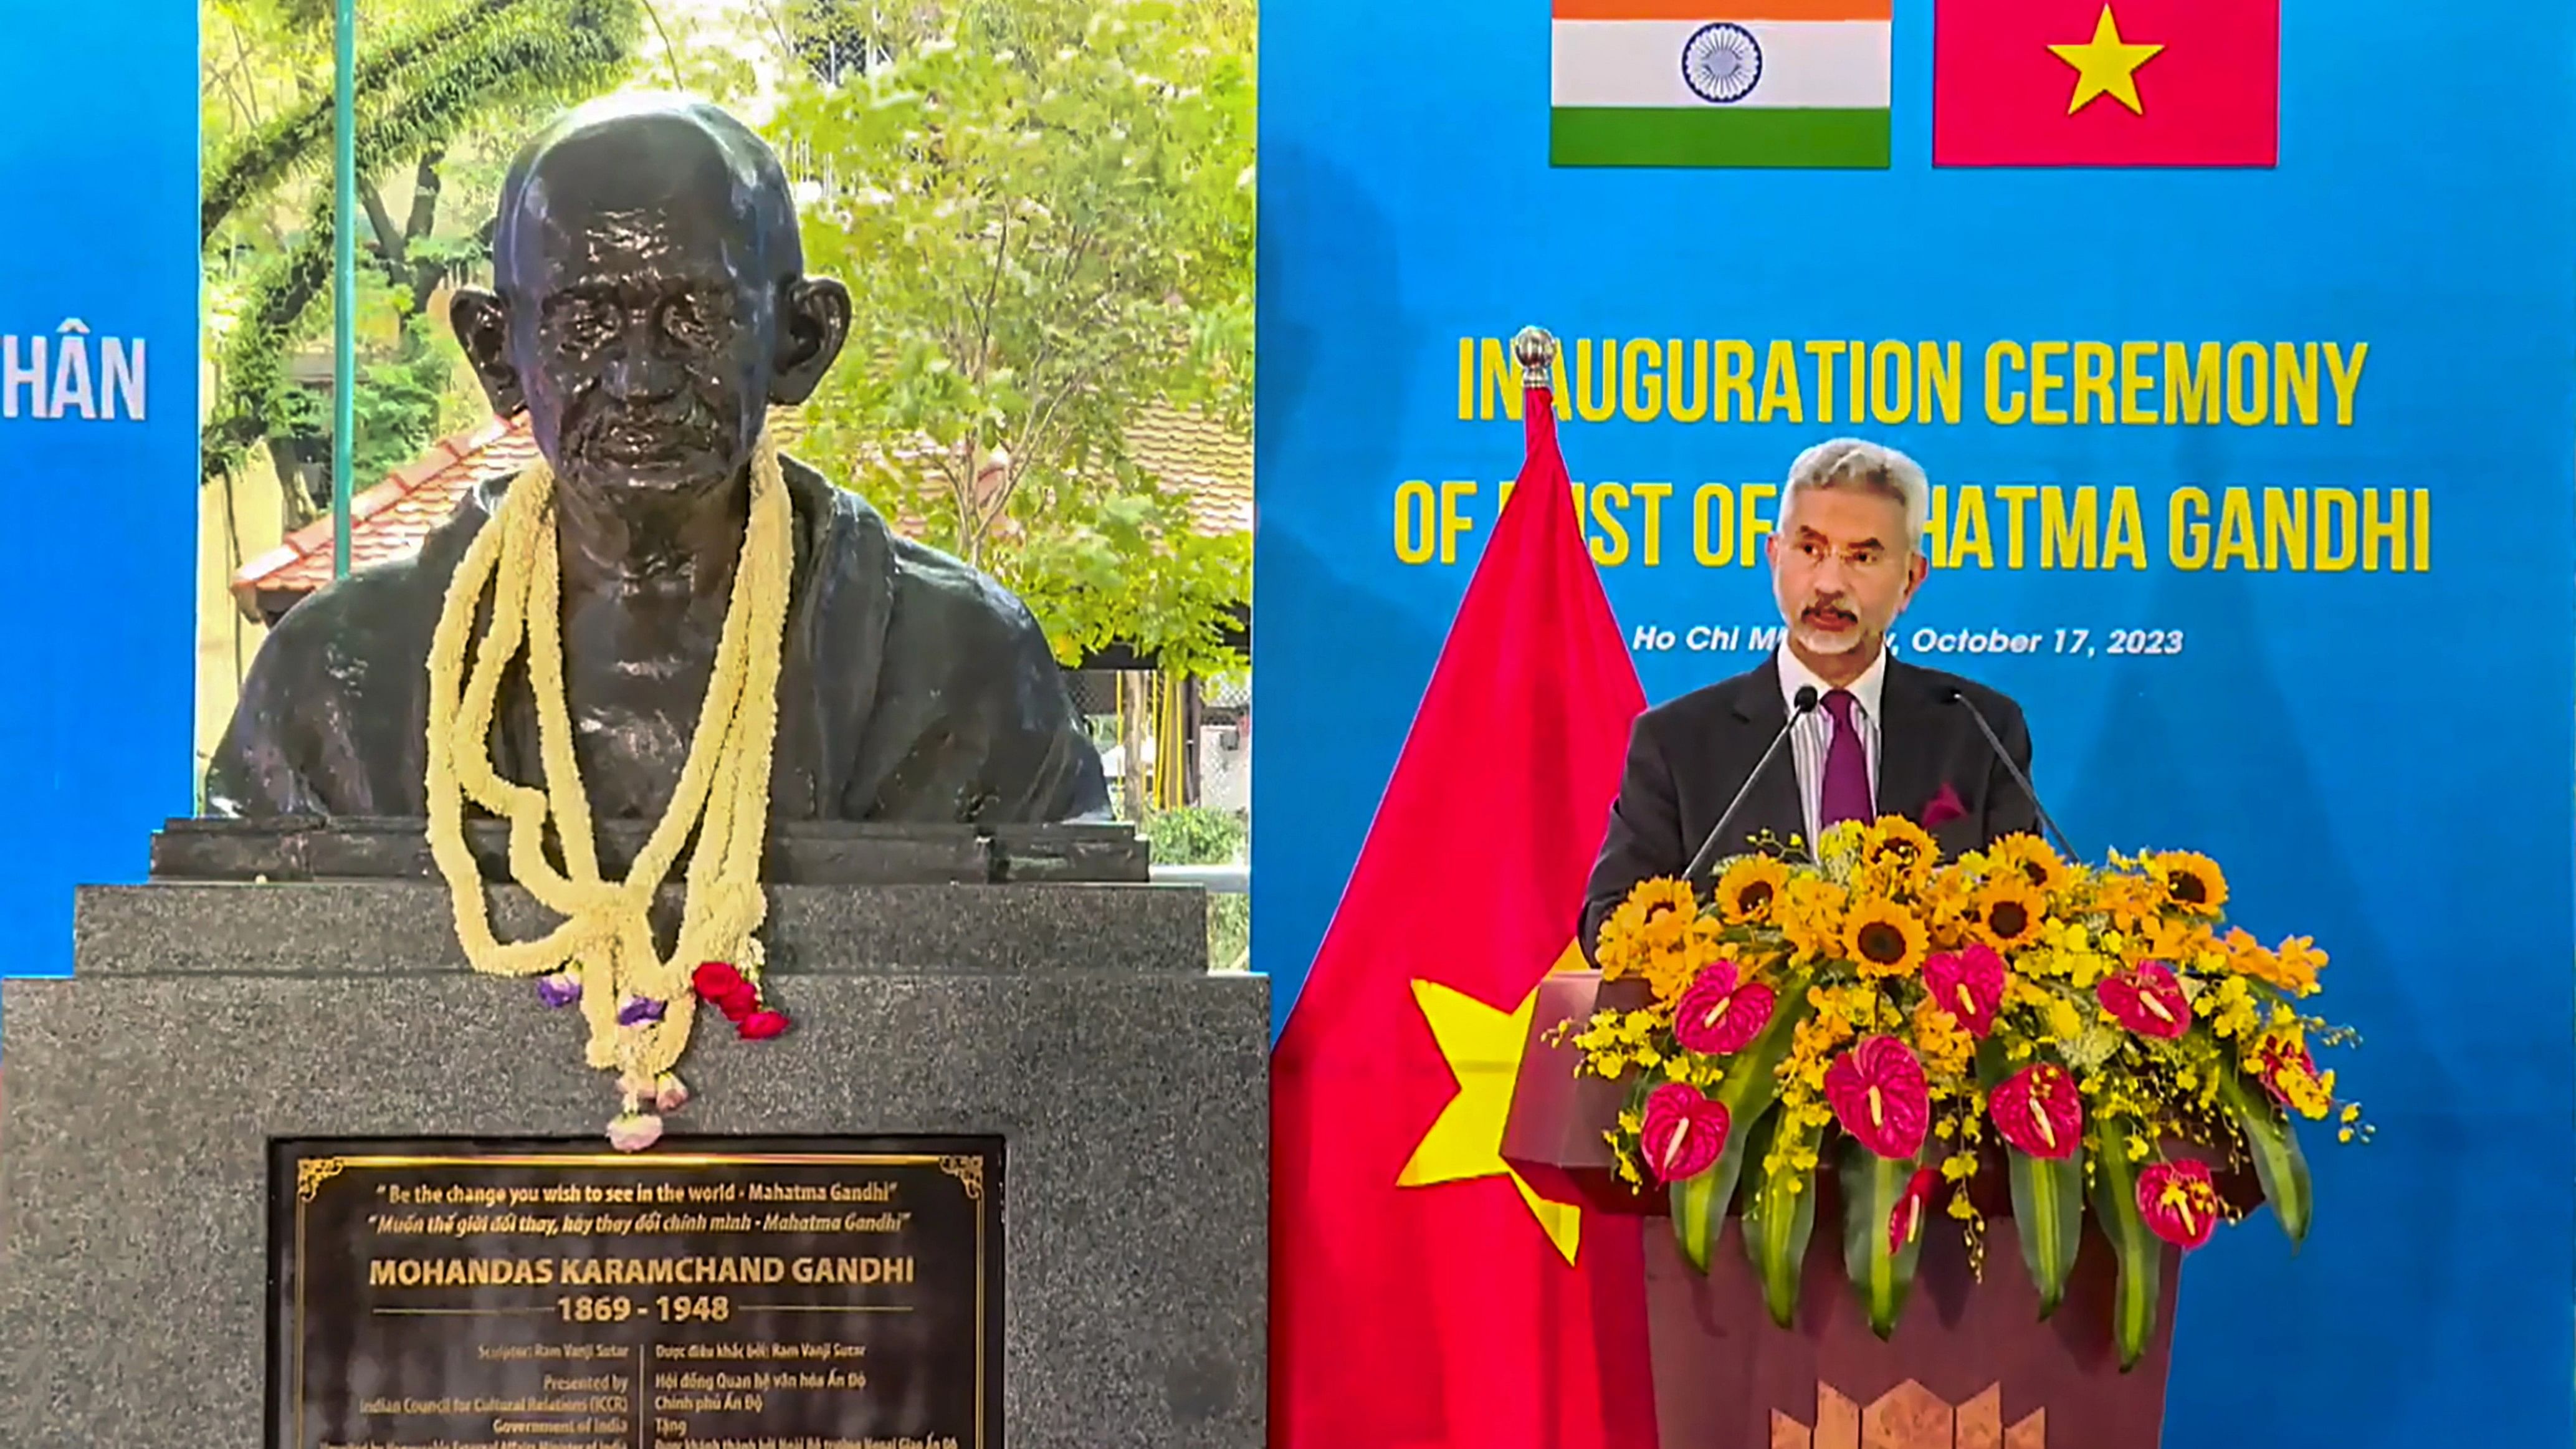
<point x="344" y="275"/>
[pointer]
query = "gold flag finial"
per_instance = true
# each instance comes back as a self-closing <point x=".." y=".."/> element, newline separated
<point x="1536" y="351"/>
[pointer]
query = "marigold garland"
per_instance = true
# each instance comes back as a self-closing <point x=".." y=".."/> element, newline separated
<point x="638" y="1004"/>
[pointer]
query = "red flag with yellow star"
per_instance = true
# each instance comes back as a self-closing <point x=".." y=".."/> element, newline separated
<point x="2106" y="83"/>
<point x="1421" y="1294"/>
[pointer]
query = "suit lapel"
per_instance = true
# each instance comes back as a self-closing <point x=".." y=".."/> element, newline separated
<point x="1908" y="741"/>
<point x="1775" y="804"/>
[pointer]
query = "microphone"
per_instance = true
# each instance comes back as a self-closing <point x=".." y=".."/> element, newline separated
<point x="1799" y="708"/>
<point x="1958" y="696"/>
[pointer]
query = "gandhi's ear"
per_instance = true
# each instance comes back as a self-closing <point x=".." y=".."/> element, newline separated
<point x="813" y="321"/>
<point x="482" y="323"/>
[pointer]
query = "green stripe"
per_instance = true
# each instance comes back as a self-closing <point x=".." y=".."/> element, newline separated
<point x="1755" y="136"/>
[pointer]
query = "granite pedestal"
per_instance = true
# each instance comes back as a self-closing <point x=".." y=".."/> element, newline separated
<point x="1078" y="1021"/>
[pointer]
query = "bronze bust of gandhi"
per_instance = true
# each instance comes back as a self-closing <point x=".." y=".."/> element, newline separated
<point x="649" y="305"/>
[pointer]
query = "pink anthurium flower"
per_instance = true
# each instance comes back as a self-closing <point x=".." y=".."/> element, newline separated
<point x="2038" y="1110"/>
<point x="1879" y="1095"/>
<point x="1905" y="1222"/>
<point x="2179" y="1202"/>
<point x="1720" y="1014"/>
<point x="1967" y="984"/>
<point x="2147" y="999"/>
<point x="1683" y="1132"/>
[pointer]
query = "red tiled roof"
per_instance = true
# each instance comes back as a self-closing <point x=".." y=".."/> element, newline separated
<point x="1184" y="450"/>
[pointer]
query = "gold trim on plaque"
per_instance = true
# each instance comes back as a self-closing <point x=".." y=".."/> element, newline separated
<point x="312" y="1172"/>
<point x="969" y="1172"/>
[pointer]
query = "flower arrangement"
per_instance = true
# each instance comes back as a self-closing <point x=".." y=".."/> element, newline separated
<point x="1914" y="1025"/>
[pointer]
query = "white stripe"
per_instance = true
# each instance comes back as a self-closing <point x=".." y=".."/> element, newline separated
<point x="1839" y="64"/>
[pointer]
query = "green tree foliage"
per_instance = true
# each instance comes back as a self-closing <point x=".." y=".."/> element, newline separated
<point x="426" y="83"/>
<point x="1044" y="212"/>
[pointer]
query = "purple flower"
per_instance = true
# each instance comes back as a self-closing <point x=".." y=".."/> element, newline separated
<point x="638" y="1010"/>
<point x="559" y="989"/>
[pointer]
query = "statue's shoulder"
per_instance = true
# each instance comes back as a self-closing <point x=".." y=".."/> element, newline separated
<point x="935" y="594"/>
<point x="383" y="614"/>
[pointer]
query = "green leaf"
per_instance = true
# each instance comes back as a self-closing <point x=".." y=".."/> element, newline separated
<point x="2278" y="1164"/>
<point x="1872" y="1185"/>
<point x="2048" y="1217"/>
<point x="2139" y="1252"/>
<point x="1750" y="1086"/>
<point x="1700" y="1201"/>
<point x="1780" y="1215"/>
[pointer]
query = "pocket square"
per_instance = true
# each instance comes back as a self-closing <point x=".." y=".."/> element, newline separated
<point x="1943" y="808"/>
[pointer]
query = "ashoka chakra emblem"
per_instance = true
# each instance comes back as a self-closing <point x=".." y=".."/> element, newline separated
<point x="1721" y="63"/>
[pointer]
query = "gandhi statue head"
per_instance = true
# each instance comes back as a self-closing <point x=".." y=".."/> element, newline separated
<point x="649" y="298"/>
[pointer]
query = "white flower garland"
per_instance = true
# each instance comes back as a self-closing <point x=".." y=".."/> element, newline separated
<point x="639" y="1005"/>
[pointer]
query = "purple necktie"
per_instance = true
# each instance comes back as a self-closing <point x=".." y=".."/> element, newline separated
<point x="1846" y="792"/>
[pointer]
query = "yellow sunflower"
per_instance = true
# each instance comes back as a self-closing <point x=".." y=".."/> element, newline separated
<point x="1810" y="915"/>
<point x="1748" y="891"/>
<point x="2192" y="882"/>
<point x="2010" y="913"/>
<point x="1883" y="938"/>
<point x="2030" y="856"/>
<point x="1654" y="919"/>
<point x="1897" y="855"/>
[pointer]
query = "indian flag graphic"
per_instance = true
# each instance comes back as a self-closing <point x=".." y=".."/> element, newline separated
<point x="1719" y="83"/>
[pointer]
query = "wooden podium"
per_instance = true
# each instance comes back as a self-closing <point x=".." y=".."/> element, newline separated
<point x="1970" y="1366"/>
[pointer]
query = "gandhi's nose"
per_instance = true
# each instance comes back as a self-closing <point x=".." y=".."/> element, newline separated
<point x="639" y="370"/>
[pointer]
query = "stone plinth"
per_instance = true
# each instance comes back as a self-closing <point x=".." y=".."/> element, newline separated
<point x="1077" y="1021"/>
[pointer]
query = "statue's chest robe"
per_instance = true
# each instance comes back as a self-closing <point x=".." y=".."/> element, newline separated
<point x="910" y="688"/>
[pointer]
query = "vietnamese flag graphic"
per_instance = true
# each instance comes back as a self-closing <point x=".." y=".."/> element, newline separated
<point x="1421" y="1294"/>
<point x="2123" y="83"/>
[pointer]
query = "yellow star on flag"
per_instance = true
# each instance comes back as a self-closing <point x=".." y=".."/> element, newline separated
<point x="1482" y="1046"/>
<point x="2106" y="65"/>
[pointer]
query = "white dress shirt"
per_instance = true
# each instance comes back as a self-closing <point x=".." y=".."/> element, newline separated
<point x="1814" y="733"/>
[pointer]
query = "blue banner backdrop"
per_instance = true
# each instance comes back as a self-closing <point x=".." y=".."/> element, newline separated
<point x="2261" y="477"/>
<point x="98" y="443"/>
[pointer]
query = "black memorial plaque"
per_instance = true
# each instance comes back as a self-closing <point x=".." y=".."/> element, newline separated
<point x="717" y="1293"/>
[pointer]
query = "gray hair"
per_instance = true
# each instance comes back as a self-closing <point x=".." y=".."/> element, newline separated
<point x="1870" y="467"/>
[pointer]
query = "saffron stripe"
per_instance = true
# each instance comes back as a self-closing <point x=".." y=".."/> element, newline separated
<point x="1747" y="10"/>
<point x="1627" y="136"/>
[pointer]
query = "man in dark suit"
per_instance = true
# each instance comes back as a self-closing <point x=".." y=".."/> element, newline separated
<point x="1887" y="738"/>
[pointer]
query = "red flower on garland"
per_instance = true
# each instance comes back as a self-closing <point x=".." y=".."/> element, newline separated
<point x="2038" y="1110"/>
<point x="1879" y="1095"/>
<point x="1943" y="808"/>
<point x="729" y="991"/>
<point x="2179" y="1202"/>
<point x="2147" y="999"/>
<point x="1969" y="985"/>
<point x="726" y="989"/>
<point x="1720" y="1014"/>
<point x="1905" y="1222"/>
<point x="1683" y="1132"/>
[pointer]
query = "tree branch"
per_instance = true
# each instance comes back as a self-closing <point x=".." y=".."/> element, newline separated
<point x="992" y="291"/>
<point x="389" y="238"/>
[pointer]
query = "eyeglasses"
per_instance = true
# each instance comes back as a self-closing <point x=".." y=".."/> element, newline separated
<point x="1859" y="558"/>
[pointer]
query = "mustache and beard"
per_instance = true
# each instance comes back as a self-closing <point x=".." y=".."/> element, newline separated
<point x="1826" y="623"/>
<point x="660" y="444"/>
